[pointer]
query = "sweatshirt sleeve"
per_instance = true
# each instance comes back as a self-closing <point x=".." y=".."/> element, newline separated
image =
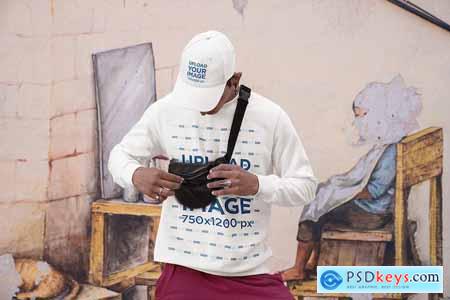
<point x="293" y="182"/>
<point x="142" y="141"/>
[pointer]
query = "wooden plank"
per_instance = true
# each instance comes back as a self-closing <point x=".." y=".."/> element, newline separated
<point x="123" y="275"/>
<point x="97" y="249"/>
<point x="400" y="213"/>
<point x="420" y="135"/>
<point x="154" y="225"/>
<point x="422" y="157"/>
<point x="347" y="253"/>
<point x="429" y="142"/>
<point x="421" y="174"/>
<point x="125" y="208"/>
<point x="148" y="278"/>
<point x="367" y="254"/>
<point x="435" y="217"/>
<point x="380" y="253"/>
<point x="123" y="285"/>
<point x="374" y="236"/>
<point x="151" y="292"/>
<point x="417" y="156"/>
<point x="363" y="255"/>
<point x="306" y="286"/>
<point x="328" y="253"/>
<point x="90" y="292"/>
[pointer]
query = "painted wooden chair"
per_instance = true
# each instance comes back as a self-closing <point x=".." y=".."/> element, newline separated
<point x="419" y="159"/>
<point x="145" y="273"/>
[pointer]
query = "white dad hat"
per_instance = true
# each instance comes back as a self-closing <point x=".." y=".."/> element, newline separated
<point x="206" y="64"/>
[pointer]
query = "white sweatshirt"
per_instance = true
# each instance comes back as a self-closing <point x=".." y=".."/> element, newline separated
<point x="229" y="237"/>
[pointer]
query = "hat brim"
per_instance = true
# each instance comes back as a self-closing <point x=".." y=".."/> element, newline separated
<point x="201" y="99"/>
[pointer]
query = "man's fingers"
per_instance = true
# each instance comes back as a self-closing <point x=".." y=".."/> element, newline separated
<point x="167" y="193"/>
<point x="171" y="177"/>
<point x="160" y="193"/>
<point x="169" y="184"/>
<point x="226" y="192"/>
<point x="224" y="167"/>
<point x="221" y="174"/>
<point x="148" y="190"/>
<point x="155" y="196"/>
<point x="222" y="183"/>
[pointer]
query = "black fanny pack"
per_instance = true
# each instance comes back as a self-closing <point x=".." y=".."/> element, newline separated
<point x="193" y="192"/>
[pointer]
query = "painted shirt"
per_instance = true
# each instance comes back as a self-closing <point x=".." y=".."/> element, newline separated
<point x="381" y="185"/>
<point x="228" y="237"/>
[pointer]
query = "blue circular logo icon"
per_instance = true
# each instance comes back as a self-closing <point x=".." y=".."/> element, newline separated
<point x="330" y="280"/>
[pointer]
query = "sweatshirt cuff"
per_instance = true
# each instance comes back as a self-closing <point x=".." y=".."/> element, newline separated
<point x="266" y="186"/>
<point x="128" y="173"/>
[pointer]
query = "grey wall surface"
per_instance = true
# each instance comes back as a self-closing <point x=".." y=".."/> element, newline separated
<point x="125" y="87"/>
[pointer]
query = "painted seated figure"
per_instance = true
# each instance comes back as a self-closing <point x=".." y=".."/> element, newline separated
<point x="363" y="197"/>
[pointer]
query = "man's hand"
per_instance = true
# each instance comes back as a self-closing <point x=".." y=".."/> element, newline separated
<point x="236" y="181"/>
<point x="156" y="183"/>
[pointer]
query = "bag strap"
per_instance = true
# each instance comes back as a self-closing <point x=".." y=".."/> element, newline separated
<point x="244" y="95"/>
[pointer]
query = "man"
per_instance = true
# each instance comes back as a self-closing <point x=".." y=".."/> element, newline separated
<point x="220" y="251"/>
<point x="362" y="198"/>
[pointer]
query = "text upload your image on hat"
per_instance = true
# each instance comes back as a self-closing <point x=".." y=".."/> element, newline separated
<point x="207" y="62"/>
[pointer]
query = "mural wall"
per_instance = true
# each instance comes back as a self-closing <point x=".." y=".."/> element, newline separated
<point x="311" y="57"/>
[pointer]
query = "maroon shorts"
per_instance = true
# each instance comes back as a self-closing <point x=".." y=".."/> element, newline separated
<point x="181" y="283"/>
